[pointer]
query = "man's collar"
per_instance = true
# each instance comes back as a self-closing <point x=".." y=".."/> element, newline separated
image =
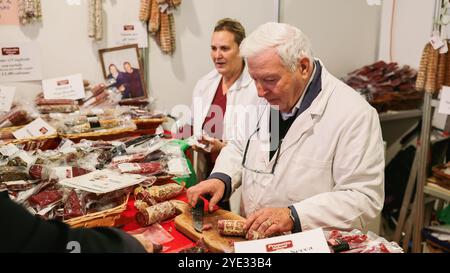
<point x="294" y="110"/>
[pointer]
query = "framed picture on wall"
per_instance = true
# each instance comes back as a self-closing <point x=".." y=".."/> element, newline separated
<point x="123" y="70"/>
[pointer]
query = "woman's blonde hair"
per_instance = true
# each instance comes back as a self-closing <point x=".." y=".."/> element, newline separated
<point x="232" y="26"/>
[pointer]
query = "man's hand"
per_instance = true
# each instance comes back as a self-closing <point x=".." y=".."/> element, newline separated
<point x="270" y="221"/>
<point x="214" y="187"/>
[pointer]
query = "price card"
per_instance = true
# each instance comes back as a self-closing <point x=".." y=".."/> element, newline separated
<point x="305" y="242"/>
<point x="444" y="105"/>
<point x="35" y="129"/>
<point x="6" y="97"/>
<point x="69" y="87"/>
<point x="20" y="62"/>
<point x="131" y="33"/>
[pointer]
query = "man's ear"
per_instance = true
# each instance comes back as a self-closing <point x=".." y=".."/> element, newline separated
<point x="304" y="66"/>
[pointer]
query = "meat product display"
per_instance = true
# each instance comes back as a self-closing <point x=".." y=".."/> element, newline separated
<point x="45" y="198"/>
<point x="95" y="11"/>
<point x="144" y="10"/>
<point x="29" y="11"/>
<point x="357" y="242"/>
<point x="18" y="185"/>
<point x="386" y="86"/>
<point x="232" y="228"/>
<point x="140" y="168"/>
<point x="72" y="206"/>
<point x="158" y="193"/>
<point x="15" y="117"/>
<point x="42" y="101"/>
<point x="161" y="22"/>
<point x="153" y="24"/>
<point x="8" y="173"/>
<point x="165" y="192"/>
<point x="63" y="108"/>
<point x="165" y="34"/>
<point x="431" y="84"/>
<point x="128" y="158"/>
<point x="156" y="214"/>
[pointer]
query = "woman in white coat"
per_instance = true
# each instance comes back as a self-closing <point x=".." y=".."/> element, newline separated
<point x="325" y="169"/>
<point x="224" y="99"/>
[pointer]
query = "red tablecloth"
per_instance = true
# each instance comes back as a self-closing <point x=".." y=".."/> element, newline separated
<point x="128" y="223"/>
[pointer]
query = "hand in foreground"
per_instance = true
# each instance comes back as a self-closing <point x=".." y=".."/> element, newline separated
<point x="270" y="221"/>
<point x="214" y="187"/>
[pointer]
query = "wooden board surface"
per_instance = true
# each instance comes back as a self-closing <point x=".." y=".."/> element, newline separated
<point x="213" y="240"/>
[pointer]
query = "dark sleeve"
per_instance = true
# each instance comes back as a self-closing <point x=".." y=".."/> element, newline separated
<point x="22" y="232"/>
<point x="226" y="179"/>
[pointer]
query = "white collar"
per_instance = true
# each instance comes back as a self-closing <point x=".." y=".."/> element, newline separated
<point x="286" y="116"/>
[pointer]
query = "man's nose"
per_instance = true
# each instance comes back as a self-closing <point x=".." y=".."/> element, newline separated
<point x="260" y="88"/>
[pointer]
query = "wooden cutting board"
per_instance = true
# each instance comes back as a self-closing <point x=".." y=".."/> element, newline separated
<point x="215" y="242"/>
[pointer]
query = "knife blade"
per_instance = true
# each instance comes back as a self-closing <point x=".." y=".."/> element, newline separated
<point x="197" y="215"/>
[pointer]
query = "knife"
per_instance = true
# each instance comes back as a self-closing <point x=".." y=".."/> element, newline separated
<point x="197" y="215"/>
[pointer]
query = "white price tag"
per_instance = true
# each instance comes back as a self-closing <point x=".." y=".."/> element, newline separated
<point x="130" y="33"/>
<point x="35" y="129"/>
<point x="69" y="87"/>
<point x="9" y="150"/>
<point x="20" y="62"/>
<point x="444" y="106"/>
<point x="312" y="241"/>
<point x="62" y="172"/>
<point x="436" y="40"/>
<point x="6" y="97"/>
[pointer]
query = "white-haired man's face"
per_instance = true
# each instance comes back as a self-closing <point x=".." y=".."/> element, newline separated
<point x="281" y="87"/>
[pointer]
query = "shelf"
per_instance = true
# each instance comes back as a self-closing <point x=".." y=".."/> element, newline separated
<point x="437" y="191"/>
<point x="398" y="115"/>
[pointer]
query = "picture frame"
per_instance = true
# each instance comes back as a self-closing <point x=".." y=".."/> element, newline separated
<point x="123" y="69"/>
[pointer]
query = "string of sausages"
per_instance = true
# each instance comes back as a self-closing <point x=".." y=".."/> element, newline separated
<point x="95" y="19"/>
<point x="161" y="23"/>
<point x="29" y="11"/>
<point x="434" y="70"/>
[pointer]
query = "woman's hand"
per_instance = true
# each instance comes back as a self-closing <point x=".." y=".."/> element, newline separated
<point x="214" y="144"/>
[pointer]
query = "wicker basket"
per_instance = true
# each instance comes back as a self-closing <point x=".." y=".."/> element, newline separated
<point x="151" y="123"/>
<point x="48" y="142"/>
<point x="110" y="134"/>
<point x="106" y="218"/>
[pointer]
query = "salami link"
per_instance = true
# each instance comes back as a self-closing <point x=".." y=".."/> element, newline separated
<point x="156" y="214"/>
<point x="231" y="228"/>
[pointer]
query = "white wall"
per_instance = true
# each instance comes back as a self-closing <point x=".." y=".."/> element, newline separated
<point x="344" y="33"/>
<point x="412" y="28"/>
<point x="172" y="79"/>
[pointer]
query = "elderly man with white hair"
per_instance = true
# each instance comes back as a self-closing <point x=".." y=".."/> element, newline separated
<point x="316" y="158"/>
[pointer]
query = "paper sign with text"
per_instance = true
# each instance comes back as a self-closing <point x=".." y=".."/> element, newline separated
<point x="6" y="97"/>
<point x="444" y="105"/>
<point x="128" y="34"/>
<point x="69" y="87"/>
<point x="103" y="181"/>
<point x="20" y="62"/>
<point x="305" y="242"/>
<point x="35" y="129"/>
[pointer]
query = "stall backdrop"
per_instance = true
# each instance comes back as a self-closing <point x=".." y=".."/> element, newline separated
<point x="344" y="34"/>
